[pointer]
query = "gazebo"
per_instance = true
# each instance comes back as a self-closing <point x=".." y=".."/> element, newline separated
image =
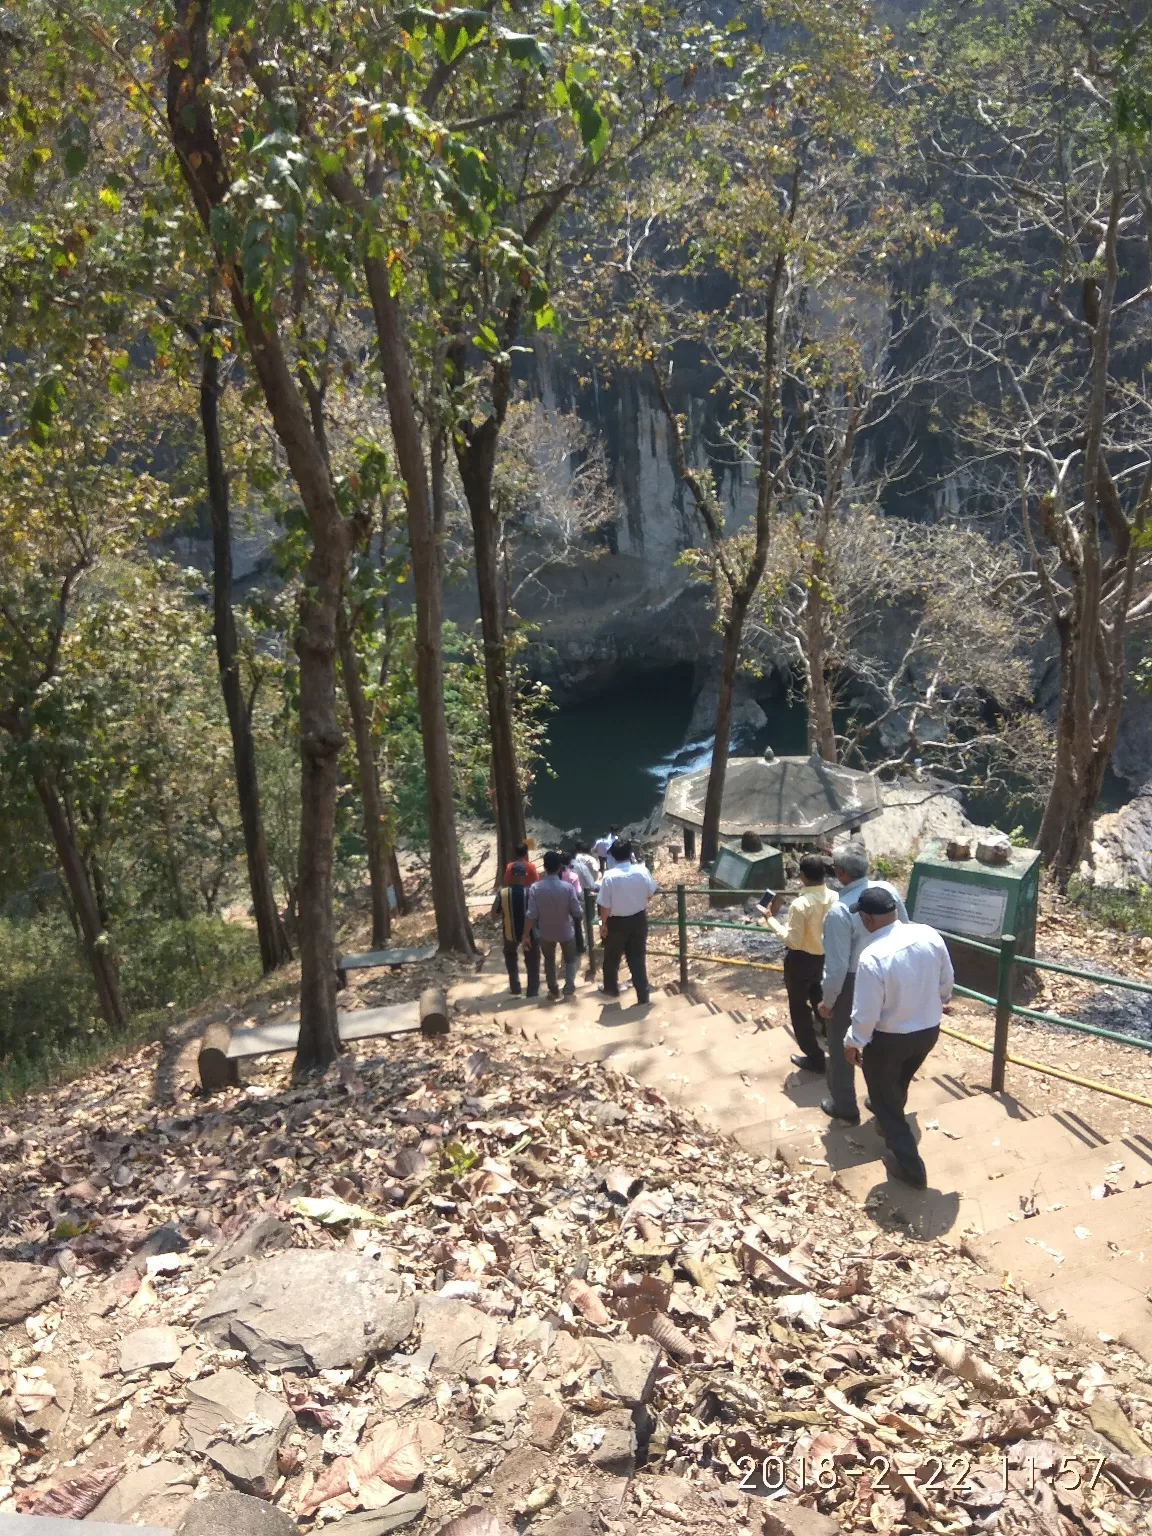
<point x="782" y="799"/>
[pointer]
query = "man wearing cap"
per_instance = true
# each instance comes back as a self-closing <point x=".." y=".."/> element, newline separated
<point x="845" y="938"/>
<point x="903" y="980"/>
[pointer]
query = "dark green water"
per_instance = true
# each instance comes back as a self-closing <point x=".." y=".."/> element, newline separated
<point x="612" y="755"/>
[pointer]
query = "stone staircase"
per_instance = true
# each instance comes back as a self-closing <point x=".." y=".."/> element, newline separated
<point x="1012" y="1188"/>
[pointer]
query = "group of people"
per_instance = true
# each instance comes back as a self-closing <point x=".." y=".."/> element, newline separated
<point x="865" y="986"/>
<point x="543" y="916"/>
<point x="866" y="989"/>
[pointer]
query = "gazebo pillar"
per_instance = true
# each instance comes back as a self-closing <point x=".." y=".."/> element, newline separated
<point x="689" y="842"/>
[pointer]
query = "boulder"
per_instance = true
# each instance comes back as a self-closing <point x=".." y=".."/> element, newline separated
<point x="309" y="1310"/>
<point x="456" y="1336"/>
<point x="573" y="1522"/>
<point x="150" y="1349"/>
<point x="616" y="1453"/>
<point x="629" y="1367"/>
<point x="403" y="1511"/>
<point x="237" y="1515"/>
<point x="550" y="1423"/>
<point x="221" y="1410"/>
<point x="798" y="1520"/>
<point x="24" y="1289"/>
<point x="267" y="1234"/>
<point x="156" y="1495"/>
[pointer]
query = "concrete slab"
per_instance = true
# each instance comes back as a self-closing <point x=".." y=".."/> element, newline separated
<point x="355" y="1024"/>
<point x="36" y="1525"/>
<point x="378" y="957"/>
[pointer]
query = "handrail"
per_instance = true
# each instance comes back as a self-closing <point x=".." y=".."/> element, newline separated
<point x="1003" y="1002"/>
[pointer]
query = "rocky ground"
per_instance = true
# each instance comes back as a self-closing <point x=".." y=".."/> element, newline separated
<point x="460" y="1281"/>
<point x="463" y="1287"/>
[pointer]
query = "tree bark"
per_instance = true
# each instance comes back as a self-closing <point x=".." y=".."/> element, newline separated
<point x="369" y="787"/>
<point x="718" y="769"/>
<point x="821" y="728"/>
<point x="274" y="947"/>
<point x="202" y="165"/>
<point x="1092" y="667"/>
<point x="476" y="458"/>
<point x="452" y="927"/>
<point x="96" y="943"/>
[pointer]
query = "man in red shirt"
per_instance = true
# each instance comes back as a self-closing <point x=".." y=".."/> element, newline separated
<point x="520" y="856"/>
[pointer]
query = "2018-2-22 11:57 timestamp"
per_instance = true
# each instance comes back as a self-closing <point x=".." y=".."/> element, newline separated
<point x="935" y="1477"/>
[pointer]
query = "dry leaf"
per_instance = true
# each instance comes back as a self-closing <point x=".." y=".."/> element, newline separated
<point x="581" y="1295"/>
<point x="78" y="1496"/>
<point x="387" y="1464"/>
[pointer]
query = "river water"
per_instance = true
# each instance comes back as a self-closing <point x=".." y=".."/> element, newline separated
<point x="610" y="757"/>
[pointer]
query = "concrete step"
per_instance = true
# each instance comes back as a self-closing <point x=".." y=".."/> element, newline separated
<point x="840" y="1146"/>
<point x="1092" y="1260"/>
<point x="978" y="1183"/>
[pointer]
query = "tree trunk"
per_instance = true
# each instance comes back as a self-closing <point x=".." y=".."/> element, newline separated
<point x="476" y="457"/>
<point x="369" y="787"/>
<point x="718" y="771"/>
<point x="821" y="729"/>
<point x="452" y="926"/>
<point x="203" y="167"/>
<point x="274" y="947"/>
<point x="84" y="903"/>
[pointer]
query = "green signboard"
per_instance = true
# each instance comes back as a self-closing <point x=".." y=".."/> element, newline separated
<point x="980" y="901"/>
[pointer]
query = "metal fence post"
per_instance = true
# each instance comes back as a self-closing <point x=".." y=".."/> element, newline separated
<point x="682" y="932"/>
<point x="1004" y="981"/>
<point x="590" y="926"/>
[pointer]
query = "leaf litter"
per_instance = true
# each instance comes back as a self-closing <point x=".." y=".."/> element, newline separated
<point x="623" y="1322"/>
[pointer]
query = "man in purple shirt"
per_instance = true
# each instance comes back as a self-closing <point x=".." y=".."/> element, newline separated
<point x="554" y="910"/>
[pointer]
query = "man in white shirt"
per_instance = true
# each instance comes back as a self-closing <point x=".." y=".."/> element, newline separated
<point x="625" y="892"/>
<point x="903" y="980"/>
<point x="603" y="846"/>
<point x="844" y="938"/>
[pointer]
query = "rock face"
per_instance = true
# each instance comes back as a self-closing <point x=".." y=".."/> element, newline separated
<point x="629" y="1367"/>
<point x="155" y="1495"/>
<point x="456" y="1336"/>
<point x="234" y="1514"/>
<point x="221" y="1411"/>
<point x="309" y="1310"/>
<point x="24" y="1289"/>
<point x="150" y="1349"/>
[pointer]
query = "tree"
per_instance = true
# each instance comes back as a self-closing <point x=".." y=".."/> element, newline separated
<point x="712" y="258"/>
<point x="274" y="946"/>
<point x="246" y="249"/>
<point x="1057" y="179"/>
<point x="61" y="511"/>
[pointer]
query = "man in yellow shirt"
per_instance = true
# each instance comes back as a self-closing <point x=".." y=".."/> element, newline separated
<point x="804" y="957"/>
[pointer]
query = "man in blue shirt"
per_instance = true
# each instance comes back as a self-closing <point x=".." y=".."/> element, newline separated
<point x="554" y="909"/>
<point x="845" y="937"/>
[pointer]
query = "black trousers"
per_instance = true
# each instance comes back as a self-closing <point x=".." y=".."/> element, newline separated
<point x="512" y="953"/>
<point x="802" y="973"/>
<point x="627" y="939"/>
<point x="889" y="1063"/>
<point x="578" y="925"/>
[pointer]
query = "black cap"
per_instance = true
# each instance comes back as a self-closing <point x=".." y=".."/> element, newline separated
<point x="874" y="901"/>
<point x="518" y="869"/>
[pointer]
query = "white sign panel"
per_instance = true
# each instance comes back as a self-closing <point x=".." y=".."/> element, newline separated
<point x="977" y="910"/>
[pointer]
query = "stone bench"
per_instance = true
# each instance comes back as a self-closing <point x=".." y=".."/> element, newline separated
<point x="374" y="957"/>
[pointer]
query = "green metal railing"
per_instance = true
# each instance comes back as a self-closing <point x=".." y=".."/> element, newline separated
<point x="1006" y="959"/>
<point x="1006" y="1005"/>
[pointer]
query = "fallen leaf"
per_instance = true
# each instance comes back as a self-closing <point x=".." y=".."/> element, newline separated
<point x="79" y="1496"/>
<point x="331" y="1212"/>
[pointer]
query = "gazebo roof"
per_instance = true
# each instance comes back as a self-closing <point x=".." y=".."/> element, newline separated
<point x="783" y="799"/>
